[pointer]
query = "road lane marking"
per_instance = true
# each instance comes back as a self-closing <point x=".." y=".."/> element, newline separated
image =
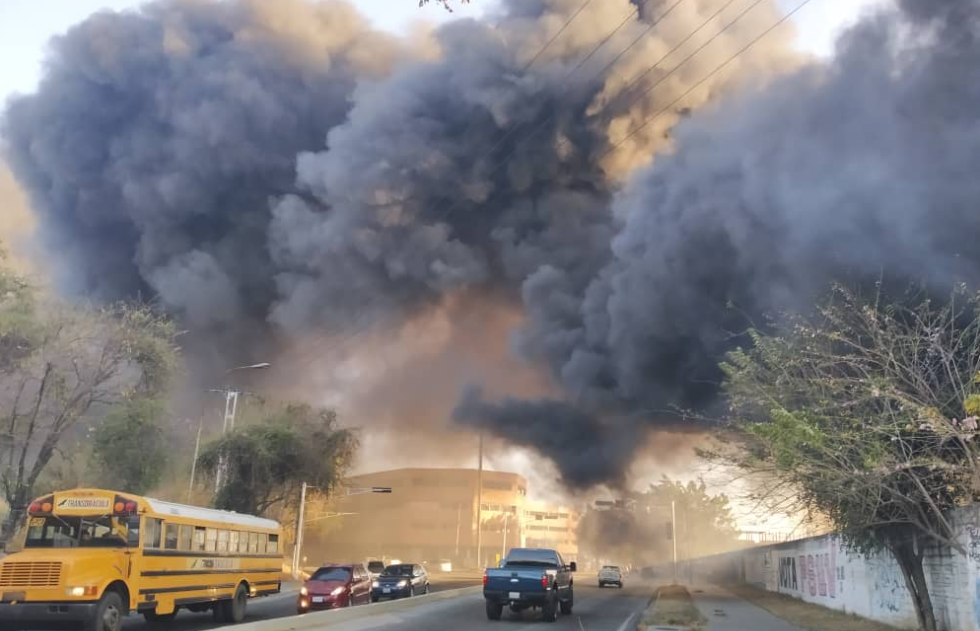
<point x="626" y="623"/>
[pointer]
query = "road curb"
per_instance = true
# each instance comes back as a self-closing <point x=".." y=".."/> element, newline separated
<point x="323" y="618"/>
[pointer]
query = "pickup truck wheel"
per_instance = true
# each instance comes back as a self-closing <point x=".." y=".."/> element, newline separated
<point x="550" y="611"/>
<point x="601" y="584"/>
<point x="566" y="606"/>
<point x="494" y="610"/>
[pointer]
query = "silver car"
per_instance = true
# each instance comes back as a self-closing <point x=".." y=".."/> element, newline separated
<point x="610" y="575"/>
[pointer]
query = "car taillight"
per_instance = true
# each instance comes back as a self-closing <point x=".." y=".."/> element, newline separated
<point x="484" y="579"/>
<point x="544" y="581"/>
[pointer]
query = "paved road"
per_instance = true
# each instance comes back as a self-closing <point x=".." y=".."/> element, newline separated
<point x="278" y="606"/>
<point x="595" y="610"/>
<point x="726" y="612"/>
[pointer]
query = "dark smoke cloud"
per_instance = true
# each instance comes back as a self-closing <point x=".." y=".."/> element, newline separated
<point x="158" y="137"/>
<point x="589" y="451"/>
<point x="862" y="167"/>
<point x="178" y="151"/>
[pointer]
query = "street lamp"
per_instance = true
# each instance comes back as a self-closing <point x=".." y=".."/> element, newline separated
<point x="231" y="407"/>
<point x="301" y="518"/>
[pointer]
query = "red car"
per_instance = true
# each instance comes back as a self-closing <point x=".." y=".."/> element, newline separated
<point x="335" y="586"/>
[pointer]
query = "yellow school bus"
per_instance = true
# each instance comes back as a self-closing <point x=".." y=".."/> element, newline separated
<point x="92" y="556"/>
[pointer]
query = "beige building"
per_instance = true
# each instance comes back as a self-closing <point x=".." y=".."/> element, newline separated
<point x="549" y="526"/>
<point x="430" y="514"/>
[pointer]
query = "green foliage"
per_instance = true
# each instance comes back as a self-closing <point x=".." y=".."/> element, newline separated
<point x="129" y="448"/>
<point x="61" y="363"/>
<point x="866" y="413"/>
<point x="265" y="463"/>
<point x="638" y="530"/>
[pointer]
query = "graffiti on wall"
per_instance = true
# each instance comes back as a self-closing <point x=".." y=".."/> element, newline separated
<point x="787" y="573"/>
<point x="973" y="543"/>
<point x="819" y="574"/>
<point x="889" y="592"/>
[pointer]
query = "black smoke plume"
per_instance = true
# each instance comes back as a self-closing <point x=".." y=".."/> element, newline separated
<point x="273" y="170"/>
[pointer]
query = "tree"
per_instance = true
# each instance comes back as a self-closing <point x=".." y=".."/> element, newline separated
<point x="866" y="412"/>
<point x="264" y="464"/>
<point x="639" y="529"/>
<point x="129" y="447"/>
<point x="61" y="363"/>
<point x="447" y="4"/>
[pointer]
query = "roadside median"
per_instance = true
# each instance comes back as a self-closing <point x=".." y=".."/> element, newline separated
<point x="317" y="619"/>
<point x="672" y="608"/>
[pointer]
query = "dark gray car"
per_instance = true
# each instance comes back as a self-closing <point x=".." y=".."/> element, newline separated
<point x="400" y="581"/>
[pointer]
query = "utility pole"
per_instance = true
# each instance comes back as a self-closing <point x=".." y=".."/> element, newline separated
<point x="301" y="518"/>
<point x="503" y="546"/>
<point x="231" y="407"/>
<point x="479" y="508"/>
<point x="673" y="538"/>
<point x="197" y="450"/>
<point x="299" y="531"/>
<point x="459" y="509"/>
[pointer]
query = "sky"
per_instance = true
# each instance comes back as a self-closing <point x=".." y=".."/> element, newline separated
<point x="27" y="25"/>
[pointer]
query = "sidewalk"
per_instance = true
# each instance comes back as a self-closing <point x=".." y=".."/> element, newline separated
<point x="726" y="612"/>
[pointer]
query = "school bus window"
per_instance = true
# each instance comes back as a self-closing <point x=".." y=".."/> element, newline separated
<point x="186" y="536"/>
<point x="211" y="541"/>
<point x="273" y="544"/>
<point x="233" y="541"/>
<point x="152" y="538"/>
<point x="222" y="541"/>
<point x="199" y="538"/>
<point x="170" y="537"/>
<point x="253" y="542"/>
<point x="243" y="543"/>
<point x="263" y="542"/>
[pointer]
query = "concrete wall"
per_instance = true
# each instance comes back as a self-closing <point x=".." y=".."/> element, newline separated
<point x="821" y="570"/>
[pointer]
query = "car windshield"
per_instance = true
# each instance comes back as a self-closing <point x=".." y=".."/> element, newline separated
<point x="82" y="532"/>
<point x="331" y="574"/>
<point x="611" y="567"/>
<point x="376" y="566"/>
<point x="397" y="570"/>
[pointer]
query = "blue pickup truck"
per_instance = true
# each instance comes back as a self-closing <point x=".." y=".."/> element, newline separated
<point x="530" y="577"/>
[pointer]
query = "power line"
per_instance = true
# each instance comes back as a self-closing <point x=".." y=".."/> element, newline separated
<point x="674" y="49"/>
<point x="717" y="69"/>
<point x="582" y="62"/>
<point x="357" y="333"/>
<point x="442" y="213"/>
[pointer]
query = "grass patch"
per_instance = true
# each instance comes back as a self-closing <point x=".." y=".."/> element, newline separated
<point x="805" y="615"/>
<point x="673" y="607"/>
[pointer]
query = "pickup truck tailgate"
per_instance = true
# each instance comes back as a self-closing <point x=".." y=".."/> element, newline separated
<point x="516" y="580"/>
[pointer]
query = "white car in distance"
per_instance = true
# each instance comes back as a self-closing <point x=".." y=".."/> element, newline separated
<point x="610" y="575"/>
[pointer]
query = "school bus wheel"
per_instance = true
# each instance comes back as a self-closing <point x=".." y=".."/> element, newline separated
<point x="109" y="613"/>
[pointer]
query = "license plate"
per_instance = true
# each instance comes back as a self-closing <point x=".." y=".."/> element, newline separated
<point x="318" y="599"/>
<point x="514" y="595"/>
<point x="386" y="590"/>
